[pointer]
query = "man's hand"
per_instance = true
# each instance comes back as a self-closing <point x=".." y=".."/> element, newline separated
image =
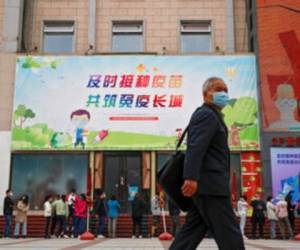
<point x="189" y="188"/>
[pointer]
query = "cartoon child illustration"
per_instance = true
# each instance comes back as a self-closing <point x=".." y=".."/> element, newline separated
<point x="286" y="104"/>
<point x="80" y="119"/>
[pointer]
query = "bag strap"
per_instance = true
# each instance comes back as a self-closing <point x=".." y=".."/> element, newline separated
<point x="183" y="135"/>
<point x="181" y="138"/>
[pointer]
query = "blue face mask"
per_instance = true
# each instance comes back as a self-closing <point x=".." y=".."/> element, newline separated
<point x="220" y="99"/>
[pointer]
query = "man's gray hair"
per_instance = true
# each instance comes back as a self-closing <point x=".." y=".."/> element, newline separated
<point x="209" y="83"/>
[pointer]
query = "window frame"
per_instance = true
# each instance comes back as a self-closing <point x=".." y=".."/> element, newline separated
<point x="58" y="21"/>
<point x="211" y="32"/>
<point x="128" y="22"/>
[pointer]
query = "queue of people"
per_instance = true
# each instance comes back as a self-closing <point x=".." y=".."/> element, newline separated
<point x="56" y="212"/>
<point x="21" y="209"/>
<point x="277" y="212"/>
<point x="280" y="212"/>
<point x="66" y="216"/>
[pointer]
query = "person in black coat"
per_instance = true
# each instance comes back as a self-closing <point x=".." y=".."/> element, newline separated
<point x="206" y="175"/>
<point x="8" y="208"/>
<point x="258" y="216"/>
<point x="137" y="208"/>
<point x="291" y="209"/>
<point x="100" y="212"/>
<point x="174" y="212"/>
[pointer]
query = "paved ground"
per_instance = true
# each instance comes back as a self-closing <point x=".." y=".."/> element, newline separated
<point x="127" y="244"/>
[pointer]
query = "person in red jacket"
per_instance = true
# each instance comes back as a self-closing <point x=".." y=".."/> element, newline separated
<point x="80" y="212"/>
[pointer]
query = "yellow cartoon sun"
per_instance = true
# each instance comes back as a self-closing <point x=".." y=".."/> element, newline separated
<point x="230" y="72"/>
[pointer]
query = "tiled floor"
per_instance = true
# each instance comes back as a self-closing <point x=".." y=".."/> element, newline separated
<point x="127" y="244"/>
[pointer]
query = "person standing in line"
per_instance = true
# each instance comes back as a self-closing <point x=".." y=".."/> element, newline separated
<point x="272" y="217"/>
<point x="66" y="232"/>
<point x="282" y="214"/>
<point x="291" y="210"/>
<point x="242" y="207"/>
<point x="53" y="217"/>
<point x="206" y="175"/>
<point x="61" y="211"/>
<point x="113" y="213"/>
<point x="71" y="198"/>
<point x="100" y="212"/>
<point x="258" y="216"/>
<point x="8" y="208"/>
<point x="21" y="216"/>
<point x="156" y="213"/>
<point x="137" y="208"/>
<point x="174" y="212"/>
<point x="80" y="212"/>
<point x="47" y="215"/>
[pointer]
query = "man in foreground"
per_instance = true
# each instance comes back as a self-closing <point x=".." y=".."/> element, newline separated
<point x="207" y="175"/>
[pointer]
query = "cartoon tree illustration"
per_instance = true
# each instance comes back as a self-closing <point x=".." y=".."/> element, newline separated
<point x="33" y="63"/>
<point x="240" y="114"/>
<point x="22" y="114"/>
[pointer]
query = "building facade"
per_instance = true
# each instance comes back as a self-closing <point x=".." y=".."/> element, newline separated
<point x="101" y="27"/>
<point x="276" y="49"/>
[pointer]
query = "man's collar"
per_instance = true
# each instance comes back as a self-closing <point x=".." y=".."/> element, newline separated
<point x="212" y="107"/>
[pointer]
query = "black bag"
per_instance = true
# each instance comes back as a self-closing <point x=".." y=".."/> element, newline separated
<point x="170" y="177"/>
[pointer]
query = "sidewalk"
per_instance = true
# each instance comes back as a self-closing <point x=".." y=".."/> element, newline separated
<point x="127" y="244"/>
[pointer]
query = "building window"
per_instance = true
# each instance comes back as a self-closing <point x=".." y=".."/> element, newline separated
<point x="58" y="37"/>
<point x="196" y="36"/>
<point x="38" y="175"/>
<point x="127" y="37"/>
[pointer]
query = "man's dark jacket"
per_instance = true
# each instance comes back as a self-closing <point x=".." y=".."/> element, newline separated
<point x="208" y="157"/>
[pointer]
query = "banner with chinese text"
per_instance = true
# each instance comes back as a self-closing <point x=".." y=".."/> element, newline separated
<point x="126" y="102"/>
<point x="285" y="172"/>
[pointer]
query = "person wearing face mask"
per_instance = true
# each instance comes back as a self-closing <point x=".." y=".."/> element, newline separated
<point x="286" y="104"/>
<point x="206" y="175"/>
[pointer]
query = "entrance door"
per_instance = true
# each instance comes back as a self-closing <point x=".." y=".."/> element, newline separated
<point x="122" y="173"/>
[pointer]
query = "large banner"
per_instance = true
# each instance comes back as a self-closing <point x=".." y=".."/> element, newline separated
<point x="285" y="172"/>
<point x="126" y="102"/>
<point x="278" y="25"/>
